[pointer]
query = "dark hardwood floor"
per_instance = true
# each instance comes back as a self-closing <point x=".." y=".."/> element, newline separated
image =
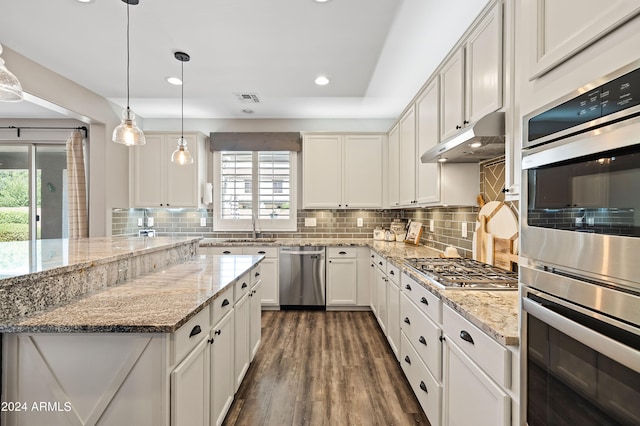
<point x="324" y="368"/>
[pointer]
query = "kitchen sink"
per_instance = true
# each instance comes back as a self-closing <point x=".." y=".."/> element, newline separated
<point x="250" y="240"/>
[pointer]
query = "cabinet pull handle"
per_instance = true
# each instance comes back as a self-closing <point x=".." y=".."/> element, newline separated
<point x="372" y="256"/>
<point x="423" y="386"/>
<point x="372" y="265"/>
<point x="226" y="252"/>
<point x="380" y="263"/>
<point x="424" y="300"/>
<point x="465" y="122"/>
<point x="408" y="287"/>
<point x="422" y="340"/>
<point x="407" y="320"/>
<point x="244" y="285"/>
<point x="342" y="252"/>
<point x="458" y="127"/>
<point x="441" y="338"/>
<point x="407" y="359"/>
<point x="391" y="273"/>
<point x="225" y="302"/>
<point x="262" y="252"/>
<point x="195" y="331"/>
<point x="257" y="274"/>
<point x="218" y="332"/>
<point x="210" y="341"/>
<point x="464" y="335"/>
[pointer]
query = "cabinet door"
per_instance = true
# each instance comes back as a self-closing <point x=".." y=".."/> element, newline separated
<point x="393" y="320"/>
<point x="222" y="371"/>
<point x="190" y="388"/>
<point x="363" y="171"/>
<point x="373" y="289"/>
<point x="381" y="288"/>
<point x="408" y="158"/>
<point x="149" y="162"/>
<point x="342" y="282"/>
<point x="483" y="63"/>
<point x="470" y="396"/>
<point x="269" y="290"/>
<point x="564" y="28"/>
<point x="394" y="166"/>
<point x="182" y="181"/>
<point x="427" y="117"/>
<point x="241" y="320"/>
<point x="322" y="171"/>
<point x="255" y="326"/>
<point x="452" y="95"/>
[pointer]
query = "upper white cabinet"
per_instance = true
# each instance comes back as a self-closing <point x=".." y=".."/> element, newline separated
<point x="428" y="135"/>
<point x="471" y="80"/>
<point x="564" y="28"/>
<point x="408" y="161"/>
<point x="342" y="171"/>
<point x="157" y="182"/>
<point x="394" y="167"/>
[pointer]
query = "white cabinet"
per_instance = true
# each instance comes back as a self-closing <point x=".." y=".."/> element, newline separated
<point x="428" y="135"/>
<point x="242" y="354"/>
<point x="407" y="157"/>
<point x="393" y="159"/>
<point x="471" y="79"/>
<point x="255" y="326"/>
<point x="562" y="29"/>
<point x="342" y="171"/>
<point x="381" y="309"/>
<point x="157" y="182"/>
<point x="373" y="290"/>
<point x="342" y="276"/>
<point x="190" y="387"/>
<point x="269" y="275"/>
<point x="393" y="317"/>
<point x="222" y="374"/>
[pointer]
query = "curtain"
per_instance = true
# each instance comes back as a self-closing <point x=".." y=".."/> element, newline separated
<point x="77" y="189"/>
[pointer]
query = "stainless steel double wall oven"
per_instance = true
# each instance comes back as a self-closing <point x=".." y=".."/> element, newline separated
<point x="581" y="256"/>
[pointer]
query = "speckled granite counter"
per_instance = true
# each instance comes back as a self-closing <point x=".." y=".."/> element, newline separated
<point x="38" y="275"/>
<point x="494" y="312"/>
<point x="158" y="302"/>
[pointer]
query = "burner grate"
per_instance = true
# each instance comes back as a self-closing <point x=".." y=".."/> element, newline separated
<point x="464" y="273"/>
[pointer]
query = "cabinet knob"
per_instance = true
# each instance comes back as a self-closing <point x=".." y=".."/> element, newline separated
<point x="408" y="287"/>
<point x="458" y="127"/>
<point x="465" y="122"/>
<point x="225" y="302"/>
<point x="423" y="386"/>
<point x="210" y="341"/>
<point x="244" y="285"/>
<point x="505" y="190"/>
<point x="422" y="340"/>
<point x="218" y="332"/>
<point x="380" y="263"/>
<point x="464" y="335"/>
<point x="424" y="300"/>
<point x="257" y="274"/>
<point x="195" y="331"/>
<point x="407" y="320"/>
<point x="407" y="359"/>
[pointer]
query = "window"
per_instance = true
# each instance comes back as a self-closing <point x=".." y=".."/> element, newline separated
<point x="255" y="186"/>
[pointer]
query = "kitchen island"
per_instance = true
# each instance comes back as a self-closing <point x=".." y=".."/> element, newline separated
<point x="138" y="342"/>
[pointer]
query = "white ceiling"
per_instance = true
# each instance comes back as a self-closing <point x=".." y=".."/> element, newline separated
<point x="377" y="53"/>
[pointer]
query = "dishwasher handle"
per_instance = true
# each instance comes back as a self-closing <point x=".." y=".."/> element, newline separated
<point x="296" y="252"/>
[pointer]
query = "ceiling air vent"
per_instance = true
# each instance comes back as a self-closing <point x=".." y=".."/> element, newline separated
<point x="248" y="98"/>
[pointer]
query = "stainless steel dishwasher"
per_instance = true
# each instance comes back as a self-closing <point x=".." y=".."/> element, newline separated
<point x="302" y="277"/>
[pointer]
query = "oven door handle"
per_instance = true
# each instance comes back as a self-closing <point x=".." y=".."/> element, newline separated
<point x="605" y="345"/>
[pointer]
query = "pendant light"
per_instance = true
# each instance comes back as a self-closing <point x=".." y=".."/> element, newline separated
<point x="128" y="133"/>
<point x="10" y="88"/>
<point x="181" y="155"/>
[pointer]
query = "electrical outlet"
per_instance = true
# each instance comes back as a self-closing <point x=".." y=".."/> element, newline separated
<point x="431" y="226"/>
<point x="309" y="221"/>
<point x="150" y="221"/>
<point x="464" y="229"/>
<point x="203" y="221"/>
<point x="360" y="222"/>
<point x="140" y="221"/>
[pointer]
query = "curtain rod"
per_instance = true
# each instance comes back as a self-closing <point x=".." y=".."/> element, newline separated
<point x="19" y="128"/>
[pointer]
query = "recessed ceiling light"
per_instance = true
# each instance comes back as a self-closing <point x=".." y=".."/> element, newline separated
<point x="321" y="1"/>
<point x="475" y="144"/>
<point x="322" y="81"/>
<point x="442" y="160"/>
<point x="85" y="1"/>
<point x="174" y="80"/>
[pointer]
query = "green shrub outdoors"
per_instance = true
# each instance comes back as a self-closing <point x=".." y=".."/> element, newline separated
<point x="14" y="217"/>
<point x="14" y="232"/>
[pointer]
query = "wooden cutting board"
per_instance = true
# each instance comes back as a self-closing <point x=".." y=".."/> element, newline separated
<point x="501" y="228"/>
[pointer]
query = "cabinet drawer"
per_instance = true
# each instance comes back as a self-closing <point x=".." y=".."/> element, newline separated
<point x="490" y="355"/>
<point x="221" y="305"/>
<point x="423" y="298"/>
<point x="341" y="252"/>
<point x="423" y="334"/>
<point x="424" y="386"/>
<point x="393" y="273"/>
<point x="242" y="286"/>
<point x="380" y="262"/>
<point x="190" y="334"/>
<point x="220" y="250"/>
<point x="264" y="251"/>
<point x="256" y="274"/>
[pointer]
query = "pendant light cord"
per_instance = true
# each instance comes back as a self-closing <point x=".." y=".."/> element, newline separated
<point x="127" y="58"/>
<point x="182" y="104"/>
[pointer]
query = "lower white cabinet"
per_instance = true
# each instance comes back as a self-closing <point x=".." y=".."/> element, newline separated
<point x="342" y="276"/>
<point x="373" y="291"/>
<point x="381" y="290"/>
<point x="242" y="318"/>
<point x="255" y="326"/>
<point x="393" y="317"/>
<point x="222" y="387"/>
<point x="190" y="388"/>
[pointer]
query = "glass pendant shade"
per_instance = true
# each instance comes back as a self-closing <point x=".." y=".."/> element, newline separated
<point x="181" y="155"/>
<point x="127" y="133"/>
<point x="10" y="87"/>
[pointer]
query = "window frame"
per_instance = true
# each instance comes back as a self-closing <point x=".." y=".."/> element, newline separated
<point x="262" y="225"/>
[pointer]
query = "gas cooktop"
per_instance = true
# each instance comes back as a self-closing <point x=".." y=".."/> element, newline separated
<point x="460" y="273"/>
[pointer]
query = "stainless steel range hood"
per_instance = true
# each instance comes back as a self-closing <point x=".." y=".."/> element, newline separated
<point x="481" y="141"/>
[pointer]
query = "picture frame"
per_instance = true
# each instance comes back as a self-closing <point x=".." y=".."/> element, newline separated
<point x="414" y="233"/>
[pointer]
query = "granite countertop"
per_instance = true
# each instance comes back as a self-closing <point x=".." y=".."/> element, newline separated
<point x="153" y="303"/>
<point x="493" y="311"/>
<point x="41" y="258"/>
